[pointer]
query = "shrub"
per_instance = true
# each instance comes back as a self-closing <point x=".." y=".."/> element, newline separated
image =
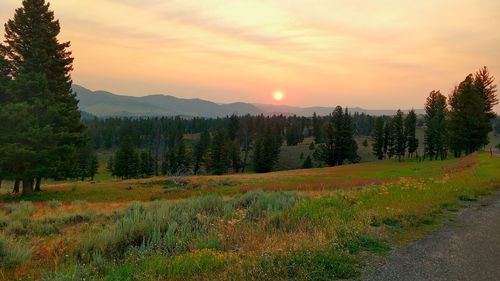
<point x="17" y="227"/>
<point x="305" y="264"/>
<point x="54" y="204"/>
<point x="21" y="209"/>
<point x="79" y="202"/>
<point x="166" y="226"/>
<point x="12" y="253"/>
<point x="259" y="203"/>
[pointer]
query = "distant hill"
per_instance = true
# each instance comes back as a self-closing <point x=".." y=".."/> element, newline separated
<point x="106" y="104"/>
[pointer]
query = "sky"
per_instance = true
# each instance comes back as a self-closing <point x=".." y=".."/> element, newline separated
<point x="381" y="54"/>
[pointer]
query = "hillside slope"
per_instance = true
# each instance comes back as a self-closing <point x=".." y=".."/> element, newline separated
<point x="106" y="104"/>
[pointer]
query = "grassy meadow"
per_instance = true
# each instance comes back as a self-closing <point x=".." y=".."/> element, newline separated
<point x="316" y="224"/>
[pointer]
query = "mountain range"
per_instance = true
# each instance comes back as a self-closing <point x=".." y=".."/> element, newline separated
<point x="106" y="104"/>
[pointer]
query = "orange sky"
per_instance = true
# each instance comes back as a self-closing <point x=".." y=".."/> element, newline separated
<point x="373" y="54"/>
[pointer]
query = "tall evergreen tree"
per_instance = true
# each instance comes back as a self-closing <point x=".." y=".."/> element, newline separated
<point x="4" y="75"/>
<point x="307" y="163"/>
<point x="126" y="160"/>
<point x="410" y="131"/>
<point x="88" y="165"/>
<point x="469" y="122"/>
<point x="233" y="127"/>
<point x="484" y="83"/>
<point x="219" y="155"/>
<point x="267" y="151"/>
<point x="378" y="138"/>
<point x="317" y="128"/>
<point x="235" y="156"/>
<point x="340" y="144"/>
<point x="178" y="159"/>
<point x="146" y="168"/>
<point x="349" y="146"/>
<point x="435" y="123"/>
<point x="32" y="47"/>
<point x="201" y="151"/>
<point x="294" y="133"/>
<point x="326" y="151"/>
<point x="247" y="136"/>
<point x="388" y="140"/>
<point x="94" y="166"/>
<point x="399" y="135"/>
<point x="41" y="66"/>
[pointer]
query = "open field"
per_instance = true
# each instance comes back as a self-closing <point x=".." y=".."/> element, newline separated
<point x="317" y="224"/>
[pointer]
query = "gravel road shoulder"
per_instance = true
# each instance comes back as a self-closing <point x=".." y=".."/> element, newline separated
<point x="466" y="249"/>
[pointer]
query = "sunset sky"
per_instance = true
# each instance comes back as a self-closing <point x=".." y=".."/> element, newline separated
<point x="373" y="54"/>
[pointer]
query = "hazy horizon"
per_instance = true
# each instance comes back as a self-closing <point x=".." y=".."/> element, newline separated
<point x="376" y="55"/>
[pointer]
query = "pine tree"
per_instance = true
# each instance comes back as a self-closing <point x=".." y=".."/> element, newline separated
<point x="469" y="122"/>
<point x="312" y="146"/>
<point x="235" y="156"/>
<point x="349" y="145"/>
<point x="126" y="159"/>
<point x="365" y="143"/>
<point x="399" y="135"/>
<point x="317" y="129"/>
<point x="267" y="151"/>
<point x="146" y="164"/>
<point x="4" y="75"/>
<point x="326" y="151"/>
<point x="201" y="151"/>
<point x="94" y="166"/>
<point x="340" y="144"/>
<point x="86" y="161"/>
<point x="177" y="159"/>
<point x="246" y="139"/>
<point x="41" y="66"/>
<point x="388" y="140"/>
<point x="110" y="165"/>
<point x="294" y="134"/>
<point x="484" y="83"/>
<point x="378" y="138"/>
<point x="410" y="131"/>
<point x="435" y="122"/>
<point x="233" y="127"/>
<point x="219" y="154"/>
<point x="307" y="163"/>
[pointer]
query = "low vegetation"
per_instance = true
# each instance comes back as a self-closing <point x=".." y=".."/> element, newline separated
<point x="322" y="229"/>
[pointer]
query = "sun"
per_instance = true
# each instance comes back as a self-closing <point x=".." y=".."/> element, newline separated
<point x="278" y="96"/>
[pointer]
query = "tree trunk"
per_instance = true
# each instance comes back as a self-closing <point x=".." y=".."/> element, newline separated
<point x="16" y="186"/>
<point x="27" y="186"/>
<point x="38" y="184"/>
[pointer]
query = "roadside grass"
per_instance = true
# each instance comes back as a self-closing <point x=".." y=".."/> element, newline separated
<point x="225" y="232"/>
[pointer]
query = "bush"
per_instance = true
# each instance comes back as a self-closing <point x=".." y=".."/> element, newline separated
<point x="21" y="209"/>
<point x="260" y="203"/>
<point x="17" y="227"/>
<point x="54" y="204"/>
<point x="169" y="227"/>
<point x="79" y="203"/>
<point x="305" y="264"/>
<point x="12" y="253"/>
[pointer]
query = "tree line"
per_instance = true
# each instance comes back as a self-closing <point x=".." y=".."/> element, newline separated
<point x="459" y="123"/>
<point x="232" y="145"/>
